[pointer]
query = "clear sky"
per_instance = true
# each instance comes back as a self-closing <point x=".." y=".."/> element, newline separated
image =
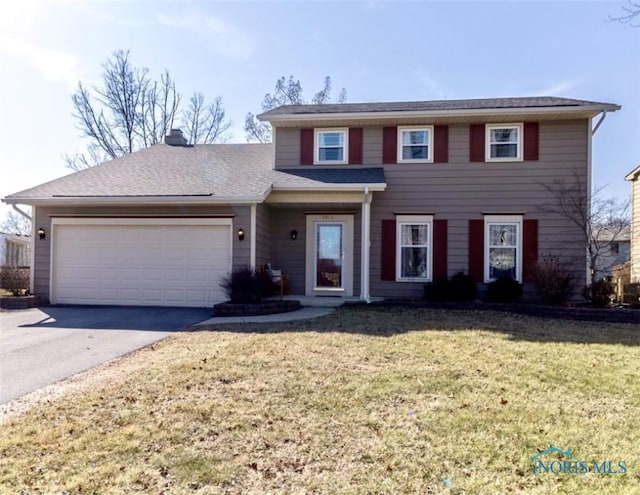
<point x="378" y="51"/>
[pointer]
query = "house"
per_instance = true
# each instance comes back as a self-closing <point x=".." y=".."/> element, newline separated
<point x="14" y="249"/>
<point x="613" y="244"/>
<point x="634" y="178"/>
<point x="350" y="200"/>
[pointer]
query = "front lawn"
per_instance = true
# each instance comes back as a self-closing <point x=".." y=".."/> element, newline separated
<point x="364" y="401"/>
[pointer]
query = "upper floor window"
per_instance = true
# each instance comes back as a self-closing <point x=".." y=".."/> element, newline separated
<point x="415" y="144"/>
<point x="504" y="142"/>
<point x="413" y="244"/>
<point x="503" y="249"/>
<point x="331" y="146"/>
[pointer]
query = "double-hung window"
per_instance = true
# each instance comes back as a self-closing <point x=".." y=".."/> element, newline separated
<point x="504" y="142"/>
<point x="503" y="247"/>
<point x="331" y="146"/>
<point x="415" y="144"/>
<point x="414" y="253"/>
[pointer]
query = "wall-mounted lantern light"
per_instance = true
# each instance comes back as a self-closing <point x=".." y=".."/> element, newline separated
<point x="41" y="233"/>
<point x="240" y="235"/>
<point x="293" y="234"/>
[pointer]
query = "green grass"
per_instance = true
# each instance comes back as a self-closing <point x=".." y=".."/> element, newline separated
<point x="366" y="400"/>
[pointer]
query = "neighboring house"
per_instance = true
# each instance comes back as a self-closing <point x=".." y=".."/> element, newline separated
<point x="14" y="249"/>
<point x="614" y="247"/>
<point x="634" y="178"/>
<point x="370" y="199"/>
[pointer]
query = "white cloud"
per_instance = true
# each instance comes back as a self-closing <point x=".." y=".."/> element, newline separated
<point x="55" y="65"/>
<point x="222" y="37"/>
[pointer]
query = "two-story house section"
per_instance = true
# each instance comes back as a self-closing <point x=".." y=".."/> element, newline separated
<point x="463" y="185"/>
<point x="350" y="200"/>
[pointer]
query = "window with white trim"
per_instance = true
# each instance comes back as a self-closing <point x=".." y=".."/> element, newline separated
<point x="504" y="142"/>
<point x="503" y="247"/>
<point x="414" y="253"/>
<point x="415" y="144"/>
<point x="331" y="146"/>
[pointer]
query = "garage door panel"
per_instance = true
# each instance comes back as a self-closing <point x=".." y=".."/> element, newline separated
<point x="174" y="265"/>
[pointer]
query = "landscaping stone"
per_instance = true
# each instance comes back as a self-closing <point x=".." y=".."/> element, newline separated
<point x="264" y="308"/>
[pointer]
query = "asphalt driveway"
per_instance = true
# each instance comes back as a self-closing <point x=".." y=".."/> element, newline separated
<point x="39" y="347"/>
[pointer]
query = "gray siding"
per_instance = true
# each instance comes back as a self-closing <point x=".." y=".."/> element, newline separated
<point x="460" y="190"/>
<point x="263" y="234"/>
<point x="42" y="253"/>
<point x="289" y="256"/>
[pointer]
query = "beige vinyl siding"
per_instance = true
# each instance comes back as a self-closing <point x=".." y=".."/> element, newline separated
<point x="42" y="248"/>
<point x="635" y="230"/>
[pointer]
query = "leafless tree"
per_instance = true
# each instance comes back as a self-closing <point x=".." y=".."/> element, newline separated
<point x="592" y="213"/>
<point x="286" y="92"/>
<point x="205" y="123"/>
<point x="15" y="223"/>
<point x="630" y="15"/>
<point x="130" y="111"/>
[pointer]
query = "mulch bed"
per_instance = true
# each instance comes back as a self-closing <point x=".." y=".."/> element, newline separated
<point x="264" y="308"/>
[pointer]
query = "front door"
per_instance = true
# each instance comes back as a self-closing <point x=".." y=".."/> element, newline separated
<point x="330" y="255"/>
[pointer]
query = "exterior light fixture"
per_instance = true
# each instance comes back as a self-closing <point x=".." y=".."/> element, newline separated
<point x="41" y="233"/>
<point x="240" y="235"/>
<point x="293" y="234"/>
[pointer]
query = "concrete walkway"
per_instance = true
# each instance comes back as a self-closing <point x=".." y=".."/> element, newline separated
<point x="301" y="314"/>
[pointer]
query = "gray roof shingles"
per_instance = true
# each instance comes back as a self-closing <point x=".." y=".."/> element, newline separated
<point x="434" y="105"/>
<point x="219" y="171"/>
<point x="224" y="170"/>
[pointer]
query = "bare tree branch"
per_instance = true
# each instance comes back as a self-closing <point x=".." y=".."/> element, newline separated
<point x="630" y="16"/>
<point x="130" y="111"/>
<point x="14" y="223"/>
<point x="286" y="92"/>
<point x="593" y="215"/>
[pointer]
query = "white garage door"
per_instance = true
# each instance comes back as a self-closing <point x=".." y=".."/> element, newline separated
<point x="146" y="264"/>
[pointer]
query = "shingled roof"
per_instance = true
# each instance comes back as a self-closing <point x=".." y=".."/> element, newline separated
<point x="214" y="172"/>
<point x="435" y="105"/>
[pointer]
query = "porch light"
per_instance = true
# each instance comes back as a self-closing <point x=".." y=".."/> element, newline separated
<point x="240" y="235"/>
<point x="293" y="234"/>
<point x="41" y="233"/>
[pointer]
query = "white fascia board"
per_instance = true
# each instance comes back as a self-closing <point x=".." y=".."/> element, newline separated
<point x="480" y="112"/>
<point x="334" y="187"/>
<point x="633" y="174"/>
<point x="140" y="200"/>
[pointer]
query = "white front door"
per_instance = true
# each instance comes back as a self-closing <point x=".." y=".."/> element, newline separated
<point x="329" y="267"/>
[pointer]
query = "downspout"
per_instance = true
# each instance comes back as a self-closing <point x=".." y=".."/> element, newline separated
<point x="366" y="233"/>
<point x="23" y="213"/>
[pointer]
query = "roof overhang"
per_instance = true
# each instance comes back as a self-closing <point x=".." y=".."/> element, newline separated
<point x="370" y="187"/>
<point x="633" y="175"/>
<point x="133" y="200"/>
<point x="543" y="113"/>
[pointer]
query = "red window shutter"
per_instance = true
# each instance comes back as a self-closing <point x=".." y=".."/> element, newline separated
<point x="388" y="253"/>
<point x="355" y="146"/>
<point x="306" y="146"/>
<point x="390" y="145"/>
<point x="476" y="143"/>
<point x="441" y="143"/>
<point x="476" y="250"/>
<point x="440" y="270"/>
<point x="529" y="249"/>
<point x="531" y="141"/>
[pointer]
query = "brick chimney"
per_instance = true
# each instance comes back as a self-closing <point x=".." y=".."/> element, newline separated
<point x="175" y="138"/>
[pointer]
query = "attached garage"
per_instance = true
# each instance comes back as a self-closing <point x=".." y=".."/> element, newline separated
<point x="140" y="261"/>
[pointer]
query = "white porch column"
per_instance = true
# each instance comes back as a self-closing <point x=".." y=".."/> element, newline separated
<point x="252" y="245"/>
<point x="365" y="245"/>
